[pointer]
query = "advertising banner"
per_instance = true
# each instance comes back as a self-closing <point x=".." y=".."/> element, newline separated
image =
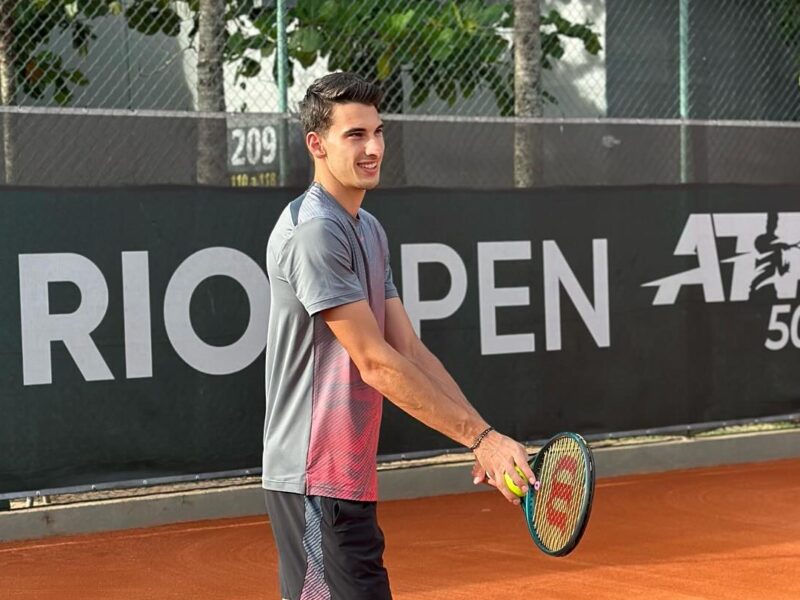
<point x="134" y="320"/>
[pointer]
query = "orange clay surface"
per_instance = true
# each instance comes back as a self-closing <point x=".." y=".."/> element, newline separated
<point x="728" y="532"/>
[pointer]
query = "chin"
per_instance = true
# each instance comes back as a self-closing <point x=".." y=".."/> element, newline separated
<point x="367" y="184"/>
<point x="372" y="182"/>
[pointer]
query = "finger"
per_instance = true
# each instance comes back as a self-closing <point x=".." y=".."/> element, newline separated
<point x="500" y="483"/>
<point x="516" y="477"/>
<point x="522" y="464"/>
<point x="478" y="473"/>
<point x="525" y="473"/>
<point x="515" y="480"/>
<point x="488" y="481"/>
<point x="511" y="488"/>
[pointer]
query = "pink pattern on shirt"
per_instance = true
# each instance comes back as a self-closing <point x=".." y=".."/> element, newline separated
<point x="345" y="423"/>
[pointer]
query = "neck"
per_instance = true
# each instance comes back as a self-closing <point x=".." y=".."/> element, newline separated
<point x="349" y="198"/>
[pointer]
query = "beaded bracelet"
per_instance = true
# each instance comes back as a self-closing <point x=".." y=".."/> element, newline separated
<point x="480" y="437"/>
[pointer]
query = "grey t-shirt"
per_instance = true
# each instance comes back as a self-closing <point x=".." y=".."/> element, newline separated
<point x="322" y="420"/>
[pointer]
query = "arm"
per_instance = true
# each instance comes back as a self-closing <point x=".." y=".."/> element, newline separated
<point x="420" y="387"/>
<point x="401" y="336"/>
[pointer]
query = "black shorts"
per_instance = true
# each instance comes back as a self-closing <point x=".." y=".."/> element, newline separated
<point x="327" y="548"/>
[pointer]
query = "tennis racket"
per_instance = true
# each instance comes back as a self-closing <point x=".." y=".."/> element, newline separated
<point x="557" y="507"/>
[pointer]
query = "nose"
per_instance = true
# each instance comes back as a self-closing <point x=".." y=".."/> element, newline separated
<point x="374" y="146"/>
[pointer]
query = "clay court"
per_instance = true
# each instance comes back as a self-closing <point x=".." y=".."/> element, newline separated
<point x="728" y="533"/>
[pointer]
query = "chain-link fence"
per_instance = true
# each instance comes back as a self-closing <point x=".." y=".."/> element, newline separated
<point x="99" y="92"/>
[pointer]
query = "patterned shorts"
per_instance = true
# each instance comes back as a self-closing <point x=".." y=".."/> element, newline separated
<point x="328" y="549"/>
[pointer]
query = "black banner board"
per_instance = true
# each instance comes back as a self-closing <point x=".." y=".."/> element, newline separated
<point x="134" y="319"/>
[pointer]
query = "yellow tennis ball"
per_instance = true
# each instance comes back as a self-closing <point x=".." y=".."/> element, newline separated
<point x="511" y="485"/>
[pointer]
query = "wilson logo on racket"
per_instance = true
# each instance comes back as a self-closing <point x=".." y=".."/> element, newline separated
<point x="561" y="491"/>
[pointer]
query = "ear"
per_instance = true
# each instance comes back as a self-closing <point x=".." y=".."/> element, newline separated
<point x="315" y="145"/>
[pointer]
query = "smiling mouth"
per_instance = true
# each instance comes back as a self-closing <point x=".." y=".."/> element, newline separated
<point x="371" y="166"/>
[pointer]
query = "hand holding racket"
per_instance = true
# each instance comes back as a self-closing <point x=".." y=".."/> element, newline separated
<point x="557" y="507"/>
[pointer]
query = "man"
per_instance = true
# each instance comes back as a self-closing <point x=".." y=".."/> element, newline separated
<point x="339" y="341"/>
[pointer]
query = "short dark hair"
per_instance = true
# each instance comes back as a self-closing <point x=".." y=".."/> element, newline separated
<point x="337" y="88"/>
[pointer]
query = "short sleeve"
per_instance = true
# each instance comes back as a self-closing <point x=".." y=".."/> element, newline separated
<point x="317" y="263"/>
<point x="390" y="288"/>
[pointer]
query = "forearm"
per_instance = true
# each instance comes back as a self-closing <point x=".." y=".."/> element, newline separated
<point x="435" y="401"/>
<point x="426" y="361"/>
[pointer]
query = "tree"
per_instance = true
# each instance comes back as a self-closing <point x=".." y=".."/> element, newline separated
<point x="28" y="65"/>
<point x="7" y="85"/>
<point x="211" y="132"/>
<point x="447" y="48"/>
<point x="534" y="50"/>
<point x="25" y="63"/>
<point x="527" y="88"/>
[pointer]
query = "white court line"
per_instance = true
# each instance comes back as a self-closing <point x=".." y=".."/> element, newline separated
<point x="92" y="538"/>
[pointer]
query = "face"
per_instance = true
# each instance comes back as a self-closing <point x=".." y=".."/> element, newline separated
<point x="352" y="149"/>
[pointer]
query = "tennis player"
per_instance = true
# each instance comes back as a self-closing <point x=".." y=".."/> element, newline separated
<point x="339" y="341"/>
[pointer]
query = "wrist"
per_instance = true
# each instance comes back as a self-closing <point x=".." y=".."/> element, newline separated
<point x="480" y="437"/>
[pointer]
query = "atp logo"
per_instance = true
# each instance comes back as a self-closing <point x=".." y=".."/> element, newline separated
<point x="766" y="264"/>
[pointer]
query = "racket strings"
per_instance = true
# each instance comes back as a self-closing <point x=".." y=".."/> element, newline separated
<point x="561" y="497"/>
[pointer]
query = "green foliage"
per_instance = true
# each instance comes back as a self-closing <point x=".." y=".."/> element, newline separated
<point x="448" y="48"/>
<point x="40" y="72"/>
<point x="787" y="14"/>
<point x="153" y="16"/>
<point x="561" y="27"/>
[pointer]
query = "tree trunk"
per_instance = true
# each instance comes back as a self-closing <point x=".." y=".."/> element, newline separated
<point x="527" y="83"/>
<point x="8" y="86"/>
<point x="211" y="132"/>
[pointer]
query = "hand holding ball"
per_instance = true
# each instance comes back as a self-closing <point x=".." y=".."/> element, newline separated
<point x="513" y="487"/>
